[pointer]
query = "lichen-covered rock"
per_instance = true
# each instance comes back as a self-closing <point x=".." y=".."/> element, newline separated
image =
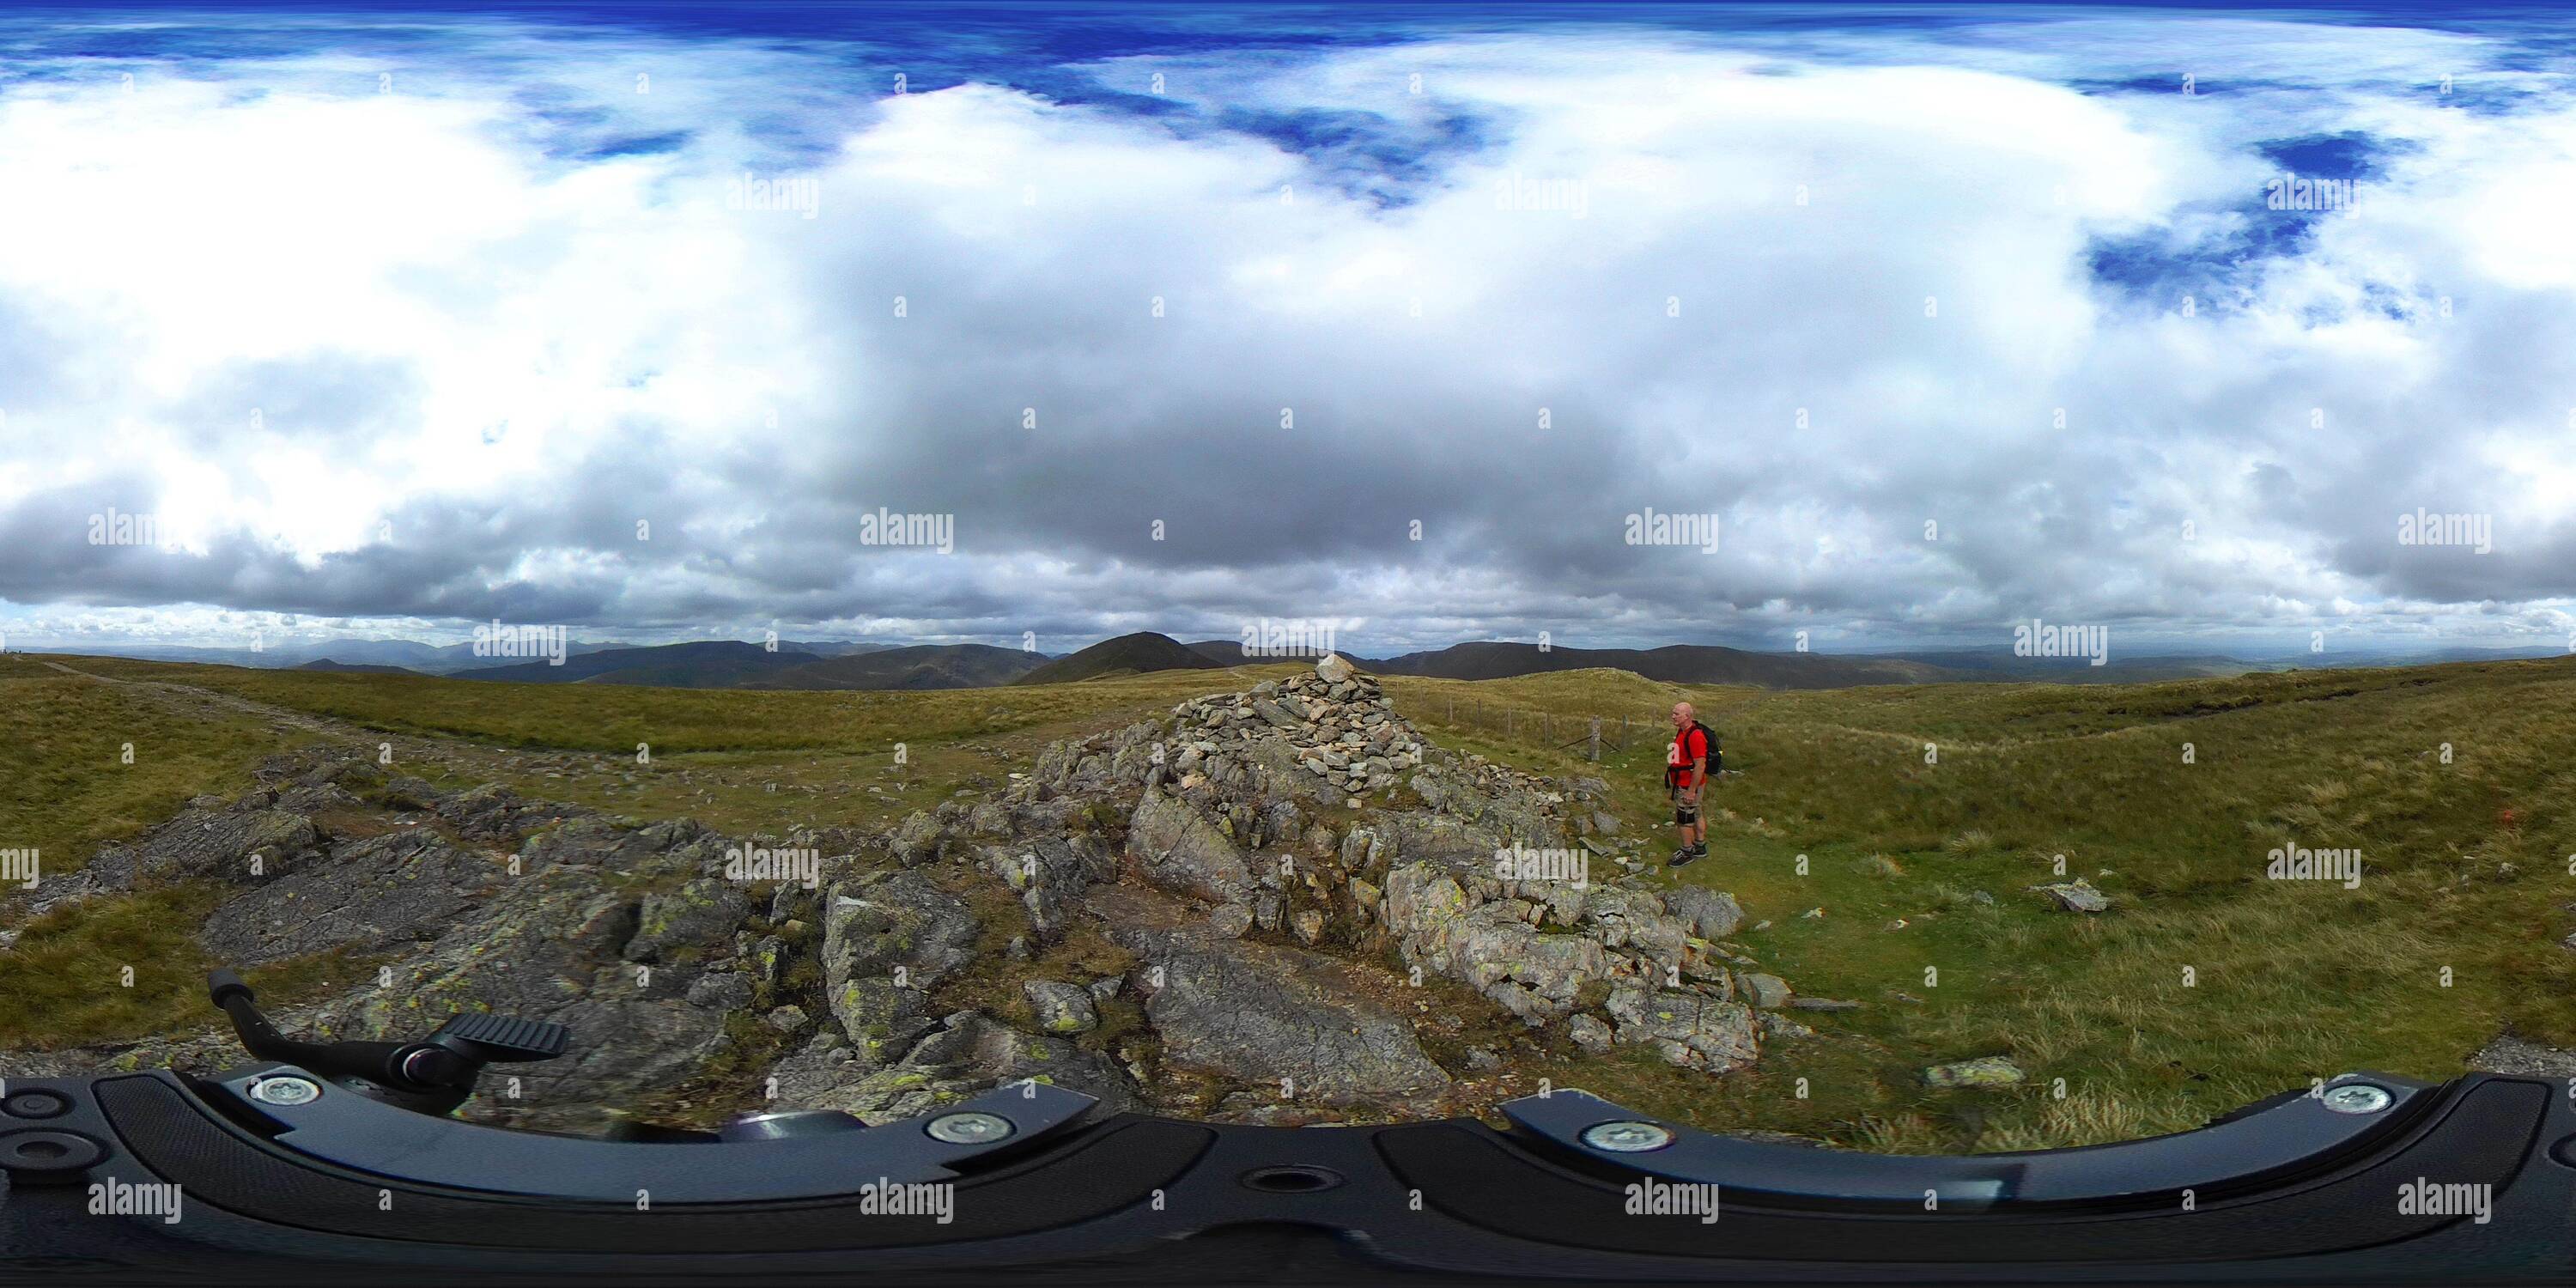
<point x="722" y="990"/>
<point x="698" y="913"/>
<point x="1309" y="925"/>
<point x="887" y="938"/>
<point x="1767" y="992"/>
<point x="1589" y="1033"/>
<point x="222" y="845"/>
<point x="1050" y="873"/>
<point x="1060" y="1007"/>
<point x="1688" y="1029"/>
<point x="958" y="1058"/>
<point x="2077" y="895"/>
<point x="375" y="895"/>
<point x="1710" y="914"/>
<point x="1185" y="853"/>
<point x="1269" y="1015"/>
<point x="1985" y="1071"/>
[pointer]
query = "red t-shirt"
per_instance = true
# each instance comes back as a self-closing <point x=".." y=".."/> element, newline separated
<point x="1689" y="745"/>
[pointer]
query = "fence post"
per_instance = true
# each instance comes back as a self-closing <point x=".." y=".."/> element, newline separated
<point x="1595" y="754"/>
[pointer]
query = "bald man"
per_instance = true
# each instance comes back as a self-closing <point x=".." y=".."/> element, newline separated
<point x="1686" y="766"/>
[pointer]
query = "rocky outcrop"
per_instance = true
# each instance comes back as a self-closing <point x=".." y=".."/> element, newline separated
<point x="887" y="939"/>
<point x="629" y="934"/>
<point x="1692" y="1029"/>
<point x="960" y="1057"/>
<point x="1060" y="1007"/>
<point x="1185" y="853"/>
<point x="1282" y="868"/>
<point x="1261" y="1014"/>
<point x="1477" y="882"/>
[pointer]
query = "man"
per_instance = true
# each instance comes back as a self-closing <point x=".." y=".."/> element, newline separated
<point x="1686" y="768"/>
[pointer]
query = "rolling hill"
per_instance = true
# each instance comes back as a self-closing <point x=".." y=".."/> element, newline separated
<point x="1126" y="655"/>
<point x="326" y="664"/>
<point x="923" y="666"/>
<point x="710" y="664"/>
<point x="1675" y="663"/>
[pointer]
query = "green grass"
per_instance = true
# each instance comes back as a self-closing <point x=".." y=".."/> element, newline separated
<point x="129" y="966"/>
<point x="2467" y="868"/>
<point x="65" y="786"/>
<point x="613" y="719"/>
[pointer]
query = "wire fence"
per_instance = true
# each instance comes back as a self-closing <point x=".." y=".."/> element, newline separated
<point x="1587" y="735"/>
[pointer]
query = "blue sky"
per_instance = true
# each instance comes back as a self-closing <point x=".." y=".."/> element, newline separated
<point x="630" y="318"/>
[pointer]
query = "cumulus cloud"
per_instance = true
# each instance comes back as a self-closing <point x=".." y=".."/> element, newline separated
<point x="647" y="333"/>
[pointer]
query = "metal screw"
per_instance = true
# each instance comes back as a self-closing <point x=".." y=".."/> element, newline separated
<point x="2357" y="1098"/>
<point x="971" y="1128"/>
<point x="1627" y="1137"/>
<point x="284" y="1091"/>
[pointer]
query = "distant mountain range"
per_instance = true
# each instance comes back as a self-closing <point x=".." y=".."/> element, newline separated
<point x="921" y="666"/>
<point x="734" y="664"/>
<point x="410" y="655"/>
<point x="326" y="664"/>
<point x="708" y="664"/>
<point x="1676" y="663"/>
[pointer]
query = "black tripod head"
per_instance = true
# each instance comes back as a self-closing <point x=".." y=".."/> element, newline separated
<point x="432" y="1076"/>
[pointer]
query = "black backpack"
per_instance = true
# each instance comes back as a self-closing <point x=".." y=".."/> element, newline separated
<point x="1716" y="756"/>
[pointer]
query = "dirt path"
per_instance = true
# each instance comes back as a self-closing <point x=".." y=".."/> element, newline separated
<point x="410" y="753"/>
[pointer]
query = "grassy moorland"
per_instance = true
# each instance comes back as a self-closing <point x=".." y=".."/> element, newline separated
<point x="2205" y="986"/>
<point x="66" y="783"/>
<point x="747" y="762"/>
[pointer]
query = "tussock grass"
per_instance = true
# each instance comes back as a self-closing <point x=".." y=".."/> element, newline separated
<point x="614" y="718"/>
<point x="129" y="966"/>
<point x="2180" y="791"/>
<point x="64" y="783"/>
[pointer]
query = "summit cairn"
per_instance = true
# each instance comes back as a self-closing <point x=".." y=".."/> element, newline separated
<point x="1304" y="825"/>
<point x="1333" y="670"/>
<point x="1335" y="725"/>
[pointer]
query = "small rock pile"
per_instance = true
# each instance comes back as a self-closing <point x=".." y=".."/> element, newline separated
<point x="1336" y="724"/>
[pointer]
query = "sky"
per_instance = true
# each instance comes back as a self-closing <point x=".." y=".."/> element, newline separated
<point x="1862" y="328"/>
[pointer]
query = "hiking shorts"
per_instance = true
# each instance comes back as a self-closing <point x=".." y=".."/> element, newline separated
<point x="1685" y="812"/>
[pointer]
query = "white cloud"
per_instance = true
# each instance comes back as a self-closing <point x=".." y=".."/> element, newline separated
<point x="474" y="314"/>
